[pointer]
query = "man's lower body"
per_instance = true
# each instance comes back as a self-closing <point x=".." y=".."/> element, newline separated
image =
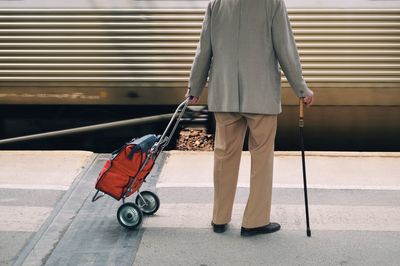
<point x="229" y="137"/>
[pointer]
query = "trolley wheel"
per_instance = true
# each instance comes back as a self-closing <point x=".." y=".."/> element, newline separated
<point x="129" y="215"/>
<point x="150" y="204"/>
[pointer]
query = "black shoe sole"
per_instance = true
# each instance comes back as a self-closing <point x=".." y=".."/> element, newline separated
<point x="258" y="232"/>
<point x="219" y="231"/>
<point x="219" y="228"/>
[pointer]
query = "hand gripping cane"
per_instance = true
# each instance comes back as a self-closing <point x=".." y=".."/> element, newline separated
<point x="303" y="159"/>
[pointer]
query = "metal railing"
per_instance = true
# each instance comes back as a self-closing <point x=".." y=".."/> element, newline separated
<point x="86" y="129"/>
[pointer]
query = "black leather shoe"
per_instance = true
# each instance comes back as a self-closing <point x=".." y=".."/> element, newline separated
<point x="266" y="229"/>
<point x="219" y="228"/>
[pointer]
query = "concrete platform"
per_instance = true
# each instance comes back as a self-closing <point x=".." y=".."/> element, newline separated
<point x="54" y="170"/>
<point x="333" y="170"/>
<point x="31" y="185"/>
<point x="354" y="209"/>
<point x="342" y="174"/>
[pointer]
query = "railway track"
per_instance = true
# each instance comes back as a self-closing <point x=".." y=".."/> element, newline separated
<point x="98" y="130"/>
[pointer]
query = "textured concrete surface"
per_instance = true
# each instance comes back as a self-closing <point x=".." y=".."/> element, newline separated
<point x="41" y="169"/>
<point x="11" y="244"/>
<point x="80" y="232"/>
<point x="323" y="217"/>
<point x="31" y="185"/>
<point x="324" y="170"/>
<point x="354" y="212"/>
<point x="175" y="246"/>
<point x="346" y="197"/>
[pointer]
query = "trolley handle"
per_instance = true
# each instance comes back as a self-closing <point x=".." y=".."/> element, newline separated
<point x="164" y="140"/>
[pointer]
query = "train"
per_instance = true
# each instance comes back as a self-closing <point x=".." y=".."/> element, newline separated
<point x="92" y="55"/>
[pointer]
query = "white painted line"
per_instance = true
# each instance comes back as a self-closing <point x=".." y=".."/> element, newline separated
<point x="22" y="218"/>
<point x="308" y="153"/>
<point x="312" y="186"/>
<point x="33" y="187"/>
<point x="188" y="185"/>
<point x="291" y="217"/>
<point x="339" y="187"/>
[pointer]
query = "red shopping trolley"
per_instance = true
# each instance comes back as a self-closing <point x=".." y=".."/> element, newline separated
<point x="124" y="173"/>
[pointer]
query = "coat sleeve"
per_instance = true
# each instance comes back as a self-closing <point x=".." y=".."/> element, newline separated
<point x="202" y="59"/>
<point x="286" y="50"/>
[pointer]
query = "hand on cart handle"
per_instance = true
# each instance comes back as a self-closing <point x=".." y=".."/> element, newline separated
<point x="192" y="99"/>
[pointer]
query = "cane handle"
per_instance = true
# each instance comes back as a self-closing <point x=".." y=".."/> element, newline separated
<point x="301" y="108"/>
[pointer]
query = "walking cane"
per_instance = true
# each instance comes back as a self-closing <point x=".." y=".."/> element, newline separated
<point x="303" y="159"/>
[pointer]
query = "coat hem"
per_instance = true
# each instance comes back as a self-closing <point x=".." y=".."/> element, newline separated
<point x="211" y="109"/>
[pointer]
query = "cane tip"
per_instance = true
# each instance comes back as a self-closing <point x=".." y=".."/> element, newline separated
<point x="308" y="232"/>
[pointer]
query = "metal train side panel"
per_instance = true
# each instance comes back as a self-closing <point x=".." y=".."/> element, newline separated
<point x="350" y="57"/>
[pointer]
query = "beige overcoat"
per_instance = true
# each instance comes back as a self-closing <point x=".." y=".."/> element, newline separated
<point x="240" y="45"/>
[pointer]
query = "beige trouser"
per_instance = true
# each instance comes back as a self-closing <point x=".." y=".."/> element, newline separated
<point x="229" y="137"/>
